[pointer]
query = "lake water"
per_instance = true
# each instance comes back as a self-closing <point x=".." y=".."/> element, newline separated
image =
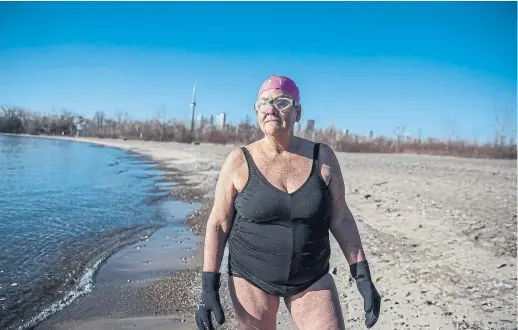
<point x="64" y="207"/>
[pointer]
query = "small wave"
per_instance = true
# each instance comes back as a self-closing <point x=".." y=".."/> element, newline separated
<point x="83" y="287"/>
<point x="62" y="289"/>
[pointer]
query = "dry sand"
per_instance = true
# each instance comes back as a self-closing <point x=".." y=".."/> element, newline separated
<point x="439" y="233"/>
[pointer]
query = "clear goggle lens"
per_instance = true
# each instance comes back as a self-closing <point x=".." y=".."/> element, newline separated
<point x="282" y="104"/>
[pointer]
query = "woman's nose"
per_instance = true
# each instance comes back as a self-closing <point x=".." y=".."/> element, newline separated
<point x="272" y="110"/>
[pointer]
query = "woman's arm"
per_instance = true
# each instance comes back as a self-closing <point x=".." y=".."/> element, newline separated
<point x="344" y="229"/>
<point x="342" y="225"/>
<point x="218" y="227"/>
<point x="220" y="218"/>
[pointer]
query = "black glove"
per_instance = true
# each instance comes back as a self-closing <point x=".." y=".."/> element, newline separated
<point x="371" y="298"/>
<point x="209" y="302"/>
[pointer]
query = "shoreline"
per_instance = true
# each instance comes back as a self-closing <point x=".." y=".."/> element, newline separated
<point x="439" y="233"/>
<point x="181" y="191"/>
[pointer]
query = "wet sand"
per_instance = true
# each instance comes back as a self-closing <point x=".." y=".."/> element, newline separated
<point x="439" y="233"/>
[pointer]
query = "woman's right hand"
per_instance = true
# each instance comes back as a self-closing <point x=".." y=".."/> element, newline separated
<point x="209" y="302"/>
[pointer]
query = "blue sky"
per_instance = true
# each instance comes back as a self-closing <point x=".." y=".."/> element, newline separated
<point x="435" y="68"/>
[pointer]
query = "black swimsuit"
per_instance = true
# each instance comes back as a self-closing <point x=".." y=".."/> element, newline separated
<point x="279" y="242"/>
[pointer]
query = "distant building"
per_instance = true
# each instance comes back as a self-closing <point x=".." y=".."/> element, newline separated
<point x="310" y="125"/>
<point x="221" y="120"/>
<point x="199" y="120"/>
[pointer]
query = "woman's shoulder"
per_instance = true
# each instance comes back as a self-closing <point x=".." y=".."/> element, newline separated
<point x="235" y="158"/>
<point x="324" y="149"/>
<point x="325" y="153"/>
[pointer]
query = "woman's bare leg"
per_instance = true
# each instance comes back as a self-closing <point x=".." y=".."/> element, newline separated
<point x="318" y="307"/>
<point x="254" y="308"/>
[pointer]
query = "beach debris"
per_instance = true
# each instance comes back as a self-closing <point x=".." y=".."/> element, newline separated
<point x="379" y="183"/>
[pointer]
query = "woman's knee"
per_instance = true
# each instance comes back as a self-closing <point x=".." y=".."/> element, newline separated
<point x="254" y="308"/>
<point x="249" y="317"/>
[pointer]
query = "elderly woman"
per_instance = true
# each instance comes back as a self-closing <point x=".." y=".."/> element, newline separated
<point x="276" y="201"/>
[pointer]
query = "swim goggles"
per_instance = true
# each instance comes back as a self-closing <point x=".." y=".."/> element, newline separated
<point x="283" y="104"/>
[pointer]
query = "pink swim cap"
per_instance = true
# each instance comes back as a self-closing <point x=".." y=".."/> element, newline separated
<point x="280" y="82"/>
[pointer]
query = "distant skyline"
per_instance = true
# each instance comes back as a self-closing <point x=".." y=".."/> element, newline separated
<point x="437" y="68"/>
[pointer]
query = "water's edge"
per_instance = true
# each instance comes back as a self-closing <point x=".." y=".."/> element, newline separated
<point x="85" y="282"/>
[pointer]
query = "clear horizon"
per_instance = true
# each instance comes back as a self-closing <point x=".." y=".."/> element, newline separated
<point x="439" y="69"/>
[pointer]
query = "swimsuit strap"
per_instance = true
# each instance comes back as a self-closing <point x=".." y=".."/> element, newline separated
<point x="316" y="149"/>
<point x="314" y="166"/>
<point x="252" y="168"/>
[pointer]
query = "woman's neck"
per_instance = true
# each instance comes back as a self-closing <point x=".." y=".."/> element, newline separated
<point x="279" y="144"/>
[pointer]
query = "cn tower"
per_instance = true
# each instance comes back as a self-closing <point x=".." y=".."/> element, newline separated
<point x="193" y="107"/>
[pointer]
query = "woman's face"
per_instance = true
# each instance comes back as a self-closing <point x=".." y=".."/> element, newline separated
<point x="272" y="120"/>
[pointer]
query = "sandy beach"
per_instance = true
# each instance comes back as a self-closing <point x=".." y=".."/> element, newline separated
<point x="439" y="233"/>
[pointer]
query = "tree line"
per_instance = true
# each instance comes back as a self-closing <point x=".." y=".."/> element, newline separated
<point x="17" y="120"/>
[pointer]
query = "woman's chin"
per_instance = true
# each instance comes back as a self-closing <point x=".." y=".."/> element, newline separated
<point x="272" y="128"/>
